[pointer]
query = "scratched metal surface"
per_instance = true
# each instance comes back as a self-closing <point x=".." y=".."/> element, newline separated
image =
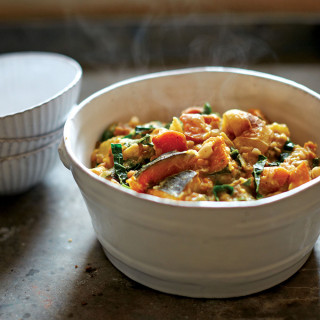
<point x="52" y="266"/>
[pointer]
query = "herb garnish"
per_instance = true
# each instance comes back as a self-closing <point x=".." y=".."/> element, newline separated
<point x="315" y="162"/>
<point x="235" y="155"/>
<point x="143" y="129"/>
<point x="120" y="170"/>
<point x="146" y="140"/>
<point x="140" y="130"/>
<point x="287" y="149"/>
<point x="289" y="145"/>
<point x="257" y="170"/>
<point x="221" y="187"/>
<point x="207" y="108"/>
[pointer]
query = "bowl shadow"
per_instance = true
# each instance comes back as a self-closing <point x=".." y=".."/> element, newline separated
<point x="103" y="291"/>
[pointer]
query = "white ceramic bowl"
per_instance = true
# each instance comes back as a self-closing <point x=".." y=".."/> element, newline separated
<point x="20" y="173"/>
<point x="198" y="249"/>
<point x="37" y="91"/>
<point x="14" y="147"/>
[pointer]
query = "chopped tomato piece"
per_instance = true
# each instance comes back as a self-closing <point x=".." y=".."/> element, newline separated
<point x="195" y="128"/>
<point x="193" y="110"/>
<point x="212" y="119"/>
<point x="169" y="141"/>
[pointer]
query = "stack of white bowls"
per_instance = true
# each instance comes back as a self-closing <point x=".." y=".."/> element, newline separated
<point x="37" y="92"/>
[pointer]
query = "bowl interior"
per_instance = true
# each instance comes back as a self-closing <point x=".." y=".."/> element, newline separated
<point x="163" y="95"/>
<point x="31" y="78"/>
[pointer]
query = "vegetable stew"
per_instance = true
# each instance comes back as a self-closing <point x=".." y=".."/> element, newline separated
<point x="204" y="156"/>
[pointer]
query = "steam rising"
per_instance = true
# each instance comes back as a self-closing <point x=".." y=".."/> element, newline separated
<point x="228" y="47"/>
<point x="188" y="41"/>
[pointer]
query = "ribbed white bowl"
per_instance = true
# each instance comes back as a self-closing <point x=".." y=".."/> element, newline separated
<point x="20" y="173"/>
<point x="198" y="249"/>
<point x="14" y="147"/>
<point x="37" y="91"/>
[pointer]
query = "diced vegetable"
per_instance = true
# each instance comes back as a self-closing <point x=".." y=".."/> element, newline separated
<point x="100" y="170"/>
<point x="176" y="125"/>
<point x="311" y="146"/>
<point x="212" y="120"/>
<point x="252" y="142"/>
<point x="195" y="128"/>
<point x="220" y="156"/>
<point x="175" y="184"/>
<point x="162" y="167"/>
<point x="299" y="176"/>
<point x="235" y="122"/>
<point x="168" y="141"/>
<point x="272" y="179"/>
<point x="246" y="130"/>
<point x="315" y="172"/>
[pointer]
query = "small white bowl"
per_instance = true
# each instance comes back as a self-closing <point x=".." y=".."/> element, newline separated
<point x="14" y="147"/>
<point x="20" y="173"/>
<point x="198" y="249"/>
<point x="37" y="91"/>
